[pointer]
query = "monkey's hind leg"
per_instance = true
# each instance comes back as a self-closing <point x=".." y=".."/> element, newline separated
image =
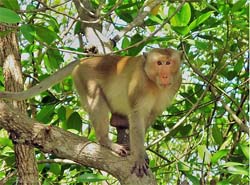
<point x="99" y="116"/>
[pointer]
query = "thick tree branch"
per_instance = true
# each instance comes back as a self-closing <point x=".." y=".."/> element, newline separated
<point x="67" y="145"/>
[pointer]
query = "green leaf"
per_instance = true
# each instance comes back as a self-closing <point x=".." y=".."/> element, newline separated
<point x="156" y="19"/>
<point x="228" y="164"/>
<point x="200" y="20"/>
<point x="193" y="179"/>
<point x="201" y="45"/>
<point x="238" y="5"/>
<point x="158" y="126"/>
<point x="45" y="114"/>
<point x="30" y="7"/>
<point x="238" y="170"/>
<point x="45" y="34"/>
<point x="182" y="30"/>
<point x="125" y="42"/>
<point x="90" y="177"/>
<point x="9" y="16"/>
<point x="9" y="159"/>
<point x="62" y="113"/>
<point x="224" y="182"/>
<point x="2" y="175"/>
<point x="239" y="65"/>
<point x="204" y="154"/>
<point x="5" y="142"/>
<point x="218" y="155"/>
<point x="126" y="16"/>
<point x="182" y="17"/>
<point x="185" y="130"/>
<point x="74" y="122"/>
<point x="77" y="29"/>
<point x="55" y="168"/>
<point x="28" y="32"/>
<point x="183" y="166"/>
<point x="217" y="135"/>
<point x="11" y="4"/>
<point x="245" y="149"/>
<point x="54" y="59"/>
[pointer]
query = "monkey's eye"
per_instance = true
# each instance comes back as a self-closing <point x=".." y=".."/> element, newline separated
<point x="159" y="63"/>
<point x="168" y="63"/>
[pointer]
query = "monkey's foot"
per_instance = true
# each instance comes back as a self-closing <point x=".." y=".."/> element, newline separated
<point x="122" y="150"/>
<point x="140" y="168"/>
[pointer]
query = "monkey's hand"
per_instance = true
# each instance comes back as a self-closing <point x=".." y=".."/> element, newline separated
<point x="140" y="167"/>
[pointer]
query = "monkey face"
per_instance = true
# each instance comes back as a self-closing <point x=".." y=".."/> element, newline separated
<point x="162" y="65"/>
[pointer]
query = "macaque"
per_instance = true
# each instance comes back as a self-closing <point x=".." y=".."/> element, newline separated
<point x="134" y="89"/>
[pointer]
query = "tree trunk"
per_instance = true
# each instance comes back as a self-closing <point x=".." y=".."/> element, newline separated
<point x="10" y="61"/>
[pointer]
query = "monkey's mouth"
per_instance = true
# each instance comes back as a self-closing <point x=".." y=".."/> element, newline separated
<point x="165" y="85"/>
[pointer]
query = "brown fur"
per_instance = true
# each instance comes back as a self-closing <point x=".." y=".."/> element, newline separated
<point x="136" y="87"/>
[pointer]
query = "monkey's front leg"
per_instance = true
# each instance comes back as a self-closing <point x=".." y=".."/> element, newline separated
<point x="137" y="134"/>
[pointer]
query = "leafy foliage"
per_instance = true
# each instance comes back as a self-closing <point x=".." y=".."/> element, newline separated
<point x="197" y="139"/>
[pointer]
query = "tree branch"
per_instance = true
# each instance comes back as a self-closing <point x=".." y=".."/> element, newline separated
<point x="67" y="145"/>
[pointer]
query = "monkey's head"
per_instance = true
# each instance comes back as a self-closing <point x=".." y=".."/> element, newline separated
<point x="162" y="66"/>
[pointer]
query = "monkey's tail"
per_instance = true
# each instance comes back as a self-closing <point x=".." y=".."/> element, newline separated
<point x="43" y="85"/>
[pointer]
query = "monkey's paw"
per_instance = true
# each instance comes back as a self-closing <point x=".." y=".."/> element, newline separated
<point x="122" y="150"/>
<point x="140" y="168"/>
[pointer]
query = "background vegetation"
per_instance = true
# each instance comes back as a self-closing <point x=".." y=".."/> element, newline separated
<point x="202" y="138"/>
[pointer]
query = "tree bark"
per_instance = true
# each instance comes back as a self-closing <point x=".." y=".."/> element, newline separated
<point x="10" y="61"/>
<point x="66" y="145"/>
<point x="92" y="31"/>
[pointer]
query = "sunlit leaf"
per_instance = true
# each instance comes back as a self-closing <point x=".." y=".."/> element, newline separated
<point x="204" y="154"/>
<point x="218" y="155"/>
<point x="238" y="170"/>
<point x="246" y="150"/>
<point x="182" y="17"/>
<point x="228" y="164"/>
<point x="9" y="16"/>
<point x="5" y="142"/>
<point x="183" y="166"/>
<point x="125" y="42"/>
<point x="200" y="20"/>
<point x="156" y="19"/>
